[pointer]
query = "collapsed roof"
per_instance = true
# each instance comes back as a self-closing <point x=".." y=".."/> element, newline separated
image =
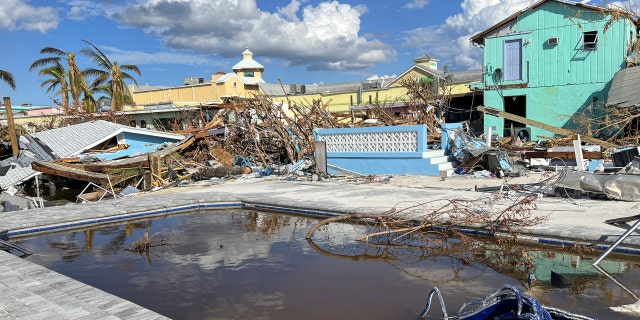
<point x="92" y="141"/>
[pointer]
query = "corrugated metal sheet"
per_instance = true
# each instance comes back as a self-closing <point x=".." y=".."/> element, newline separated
<point x="624" y="88"/>
<point x="66" y="141"/>
<point x="16" y="175"/>
<point x="71" y="140"/>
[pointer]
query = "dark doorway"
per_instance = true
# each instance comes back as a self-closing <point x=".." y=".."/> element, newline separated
<point x="516" y="105"/>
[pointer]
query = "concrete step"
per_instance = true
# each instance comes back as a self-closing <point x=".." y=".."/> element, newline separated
<point x="439" y="159"/>
<point x="434" y="153"/>
<point x="445" y="164"/>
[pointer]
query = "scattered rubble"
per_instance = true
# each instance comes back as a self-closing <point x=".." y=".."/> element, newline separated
<point x="254" y="138"/>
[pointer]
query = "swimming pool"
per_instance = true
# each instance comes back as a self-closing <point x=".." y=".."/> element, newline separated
<point x="248" y="264"/>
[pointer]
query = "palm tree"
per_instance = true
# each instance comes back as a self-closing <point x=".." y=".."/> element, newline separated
<point x="7" y="78"/>
<point x="77" y="82"/>
<point x="57" y="78"/>
<point x="105" y="90"/>
<point x="110" y="78"/>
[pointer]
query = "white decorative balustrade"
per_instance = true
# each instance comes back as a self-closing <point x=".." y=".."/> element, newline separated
<point x="403" y="141"/>
<point x="382" y="150"/>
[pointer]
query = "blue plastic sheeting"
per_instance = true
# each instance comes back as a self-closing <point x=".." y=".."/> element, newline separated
<point x="241" y="161"/>
<point x="137" y="144"/>
<point x="465" y="146"/>
<point x="449" y="131"/>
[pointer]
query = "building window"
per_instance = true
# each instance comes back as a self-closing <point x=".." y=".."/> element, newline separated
<point x="248" y="74"/>
<point x="235" y="84"/>
<point x="590" y="40"/>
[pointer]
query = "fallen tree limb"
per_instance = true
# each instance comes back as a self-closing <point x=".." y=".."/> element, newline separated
<point x="406" y="231"/>
<point x="347" y="217"/>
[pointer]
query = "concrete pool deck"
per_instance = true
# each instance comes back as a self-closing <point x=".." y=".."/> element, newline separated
<point x="34" y="292"/>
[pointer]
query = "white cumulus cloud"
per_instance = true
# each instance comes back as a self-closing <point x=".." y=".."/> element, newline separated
<point x="377" y="77"/>
<point x="450" y="42"/>
<point x="321" y="37"/>
<point x="19" y="15"/>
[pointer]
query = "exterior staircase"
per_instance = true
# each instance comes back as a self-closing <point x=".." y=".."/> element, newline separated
<point x="442" y="163"/>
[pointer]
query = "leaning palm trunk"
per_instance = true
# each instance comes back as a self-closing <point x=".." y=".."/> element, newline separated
<point x="75" y="83"/>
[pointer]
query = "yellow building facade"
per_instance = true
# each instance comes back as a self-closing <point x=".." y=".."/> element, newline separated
<point x="242" y="82"/>
<point x="245" y="81"/>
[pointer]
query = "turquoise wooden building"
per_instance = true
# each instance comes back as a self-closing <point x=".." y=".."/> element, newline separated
<point x="552" y="62"/>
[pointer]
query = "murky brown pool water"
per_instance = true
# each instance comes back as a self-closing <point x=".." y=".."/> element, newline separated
<point x="244" y="264"/>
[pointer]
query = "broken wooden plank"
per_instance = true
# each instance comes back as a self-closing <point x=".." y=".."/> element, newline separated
<point x="561" y="154"/>
<point x="155" y="166"/>
<point x="556" y="130"/>
<point x="473" y="163"/>
<point x="506" y="140"/>
<point x="623" y="220"/>
<point x="103" y="149"/>
<point x="13" y="136"/>
<point x="69" y="160"/>
<point x="61" y="170"/>
<point x="176" y="147"/>
<point x="105" y="166"/>
<point x="123" y="174"/>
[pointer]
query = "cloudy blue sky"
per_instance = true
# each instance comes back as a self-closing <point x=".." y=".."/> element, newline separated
<point x="298" y="41"/>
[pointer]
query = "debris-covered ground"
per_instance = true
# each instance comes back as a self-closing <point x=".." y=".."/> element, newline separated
<point x="257" y="138"/>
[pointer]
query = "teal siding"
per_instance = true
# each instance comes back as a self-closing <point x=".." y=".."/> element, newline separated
<point x="558" y="106"/>
<point x="557" y="80"/>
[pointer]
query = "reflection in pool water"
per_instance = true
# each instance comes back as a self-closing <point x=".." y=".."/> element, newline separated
<point x="241" y="264"/>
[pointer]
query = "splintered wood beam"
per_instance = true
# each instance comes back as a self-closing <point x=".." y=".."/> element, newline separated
<point x="155" y="167"/>
<point x="556" y="130"/>
<point x="561" y="154"/>
<point x="60" y="170"/>
<point x="13" y="136"/>
<point x="176" y="147"/>
<point x="102" y="167"/>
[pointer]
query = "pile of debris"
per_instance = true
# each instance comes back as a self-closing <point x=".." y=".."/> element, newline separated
<point x="256" y="137"/>
<point x="245" y="139"/>
<point x="583" y="169"/>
